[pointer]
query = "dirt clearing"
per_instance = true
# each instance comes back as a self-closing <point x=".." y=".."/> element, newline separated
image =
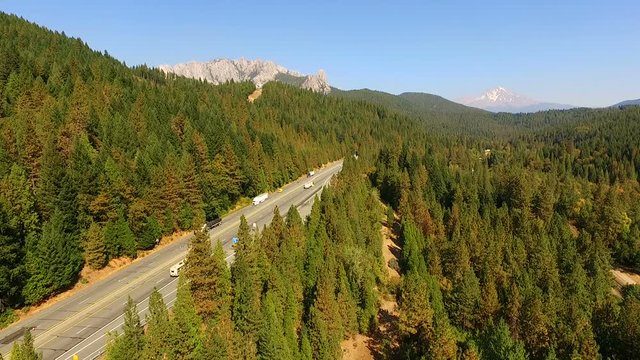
<point x="254" y="95"/>
<point x="625" y="277"/>
<point x="391" y="251"/>
<point x="382" y="342"/>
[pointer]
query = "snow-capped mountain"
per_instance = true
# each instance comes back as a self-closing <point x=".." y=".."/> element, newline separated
<point x="501" y="99"/>
<point x="257" y="71"/>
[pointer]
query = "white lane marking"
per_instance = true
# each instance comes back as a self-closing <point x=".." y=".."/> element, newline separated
<point x="84" y="301"/>
<point x="81" y="330"/>
<point x="115" y="327"/>
<point x="99" y="351"/>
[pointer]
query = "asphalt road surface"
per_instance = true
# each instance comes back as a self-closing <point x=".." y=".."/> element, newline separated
<point x="79" y="324"/>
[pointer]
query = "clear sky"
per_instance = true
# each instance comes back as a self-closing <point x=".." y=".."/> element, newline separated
<point x="579" y="52"/>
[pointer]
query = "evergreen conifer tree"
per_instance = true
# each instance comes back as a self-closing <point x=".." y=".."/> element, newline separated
<point x="498" y="344"/>
<point x="246" y="285"/>
<point x="151" y="231"/>
<point x="323" y="345"/>
<point x="119" y="239"/>
<point x="55" y="262"/>
<point x="95" y="252"/>
<point x="20" y="203"/>
<point x="271" y="342"/>
<point x="185" y="340"/>
<point x="25" y="350"/>
<point x="12" y="268"/>
<point x="158" y="330"/>
<point x="209" y="278"/>
<point x="130" y="344"/>
<point x="49" y="181"/>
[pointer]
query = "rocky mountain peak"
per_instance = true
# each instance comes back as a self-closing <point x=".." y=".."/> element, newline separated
<point x="259" y="72"/>
<point x="317" y="83"/>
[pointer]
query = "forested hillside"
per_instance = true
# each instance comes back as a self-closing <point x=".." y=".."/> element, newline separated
<point x="510" y="224"/>
<point x="507" y="252"/>
<point x="410" y="103"/>
<point x="294" y="291"/>
<point x="97" y="160"/>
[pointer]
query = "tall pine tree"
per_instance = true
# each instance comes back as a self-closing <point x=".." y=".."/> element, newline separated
<point x="55" y="261"/>
<point x="130" y="343"/>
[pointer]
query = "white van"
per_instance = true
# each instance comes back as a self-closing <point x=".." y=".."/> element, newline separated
<point x="175" y="269"/>
<point x="308" y="185"/>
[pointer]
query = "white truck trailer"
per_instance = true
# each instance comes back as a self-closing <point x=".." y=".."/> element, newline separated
<point x="260" y="198"/>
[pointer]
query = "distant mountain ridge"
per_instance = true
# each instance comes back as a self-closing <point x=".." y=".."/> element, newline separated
<point x="626" y="103"/>
<point x="501" y="99"/>
<point x="411" y="103"/>
<point x="259" y="72"/>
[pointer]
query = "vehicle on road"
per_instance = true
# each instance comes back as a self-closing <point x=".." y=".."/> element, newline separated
<point x="311" y="173"/>
<point x="234" y="240"/>
<point x="308" y="185"/>
<point x="260" y="198"/>
<point x="210" y="224"/>
<point x="175" y="269"/>
<point x="213" y="223"/>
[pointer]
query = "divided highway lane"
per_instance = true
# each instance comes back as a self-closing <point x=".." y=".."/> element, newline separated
<point x="78" y="324"/>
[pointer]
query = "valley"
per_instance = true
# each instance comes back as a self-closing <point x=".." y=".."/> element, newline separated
<point x="495" y="227"/>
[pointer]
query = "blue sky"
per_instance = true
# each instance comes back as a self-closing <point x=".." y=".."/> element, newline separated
<point x="584" y="53"/>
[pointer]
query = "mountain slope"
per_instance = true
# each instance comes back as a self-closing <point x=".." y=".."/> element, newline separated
<point x="436" y="113"/>
<point x="88" y="143"/>
<point x="412" y="103"/>
<point x="501" y="99"/>
<point x="625" y="103"/>
<point x="259" y="72"/>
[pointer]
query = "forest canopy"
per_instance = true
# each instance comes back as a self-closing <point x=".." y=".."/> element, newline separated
<point x="509" y="224"/>
<point x="98" y="160"/>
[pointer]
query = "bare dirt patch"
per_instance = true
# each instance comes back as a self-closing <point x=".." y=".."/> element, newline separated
<point x="357" y="348"/>
<point x="390" y="251"/>
<point x="381" y="343"/>
<point x="625" y="277"/>
<point x="574" y="230"/>
<point x="254" y="95"/>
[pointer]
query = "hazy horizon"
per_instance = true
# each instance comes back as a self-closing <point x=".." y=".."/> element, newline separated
<point x="582" y="53"/>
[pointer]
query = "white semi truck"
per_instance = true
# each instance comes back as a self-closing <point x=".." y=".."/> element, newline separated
<point x="260" y="198"/>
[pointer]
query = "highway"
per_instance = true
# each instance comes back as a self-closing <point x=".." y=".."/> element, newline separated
<point x="79" y="324"/>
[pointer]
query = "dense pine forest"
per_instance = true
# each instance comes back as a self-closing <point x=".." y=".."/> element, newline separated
<point x="509" y="224"/>
<point x="98" y="160"/>
<point x="294" y="291"/>
<point x="514" y="246"/>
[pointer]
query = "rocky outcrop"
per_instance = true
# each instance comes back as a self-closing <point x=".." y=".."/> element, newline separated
<point x="317" y="83"/>
<point x="259" y="72"/>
